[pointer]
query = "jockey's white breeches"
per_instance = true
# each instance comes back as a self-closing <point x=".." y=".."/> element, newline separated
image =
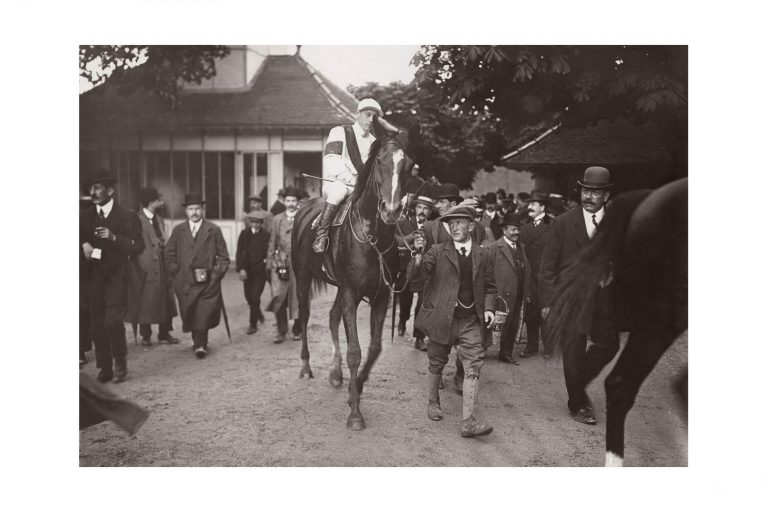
<point x="336" y="191"/>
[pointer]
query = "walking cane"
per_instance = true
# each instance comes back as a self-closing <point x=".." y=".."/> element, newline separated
<point x="226" y="319"/>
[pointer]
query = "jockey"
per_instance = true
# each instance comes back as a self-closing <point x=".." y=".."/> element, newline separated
<point x="346" y="152"/>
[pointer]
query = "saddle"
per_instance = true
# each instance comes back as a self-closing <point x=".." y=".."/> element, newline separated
<point x="338" y="220"/>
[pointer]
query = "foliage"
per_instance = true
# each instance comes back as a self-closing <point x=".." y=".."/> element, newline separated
<point x="530" y="88"/>
<point x="452" y="145"/>
<point x="160" y="69"/>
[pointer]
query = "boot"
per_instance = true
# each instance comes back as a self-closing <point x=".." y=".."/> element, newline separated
<point x="121" y="370"/>
<point x="323" y="224"/>
<point x="433" y="409"/>
<point x="470" y="426"/>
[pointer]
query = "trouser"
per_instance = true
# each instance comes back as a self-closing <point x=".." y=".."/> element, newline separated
<point x="509" y="329"/>
<point x="281" y="315"/>
<point x="406" y="301"/>
<point x="199" y="338"/>
<point x="85" y="332"/>
<point x="163" y="330"/>
<point x="533" y="328"/>
<point x="253" y="287"/>
<point x="581" y="364"/>
<point x="109" y="342"/>
<point x="466" y="334"/>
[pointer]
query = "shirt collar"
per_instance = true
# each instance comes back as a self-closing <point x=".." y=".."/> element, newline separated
<point x="541" y="216"/>
<point x="510" y="242"/>
<point x="149" y="214"/>
<point x="467" y="245"/>
<point x="359" y="132"/>
<point x="193" y="224"/>
<point x="599" y="214"/>
<point x="291" y="215"/>
<point x="106" y="208"/>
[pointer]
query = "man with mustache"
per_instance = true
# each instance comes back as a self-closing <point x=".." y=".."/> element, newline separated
<point x="569" y="234"/>
<point x="109" y="236"/>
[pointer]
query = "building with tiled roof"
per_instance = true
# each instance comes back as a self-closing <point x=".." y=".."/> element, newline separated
<point x="254" y="128"/>
<point x="638" y="156"/>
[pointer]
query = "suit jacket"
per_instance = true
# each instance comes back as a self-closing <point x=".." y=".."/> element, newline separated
<point x="533" y="239"/>
<point x="566" y="238"/>
<point x="106" y="280"/>
<point x="511" y="269"/>
<point x="199" y="303"/>
<point x="439" y="271"/>
<point x="279" y="255"/>
<point x="255" y="262"/>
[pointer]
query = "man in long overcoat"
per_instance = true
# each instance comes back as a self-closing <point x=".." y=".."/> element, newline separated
<point x="533" y="236"/>
<point x="151" y="298"/>
<point x="197" y="259"/>
<point x="458" y="306"/>
<point x="250" y="264"/>
<point x="513" y="278"/>
<point x="284" y="303"/>
<point x="569" y="234"/>
<point x="109" y="236"/>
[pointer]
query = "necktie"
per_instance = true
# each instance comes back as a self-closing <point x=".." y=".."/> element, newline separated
<point x="194" y="230"/>
<point x="594" y="220"/>
<point x="464" y="251"/>
<point x="536" y="223"/>
<point x="101" y="214"/>
<point x="156" y="225"/>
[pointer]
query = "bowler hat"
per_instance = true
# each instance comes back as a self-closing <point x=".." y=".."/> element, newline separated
<point x="459" y="212"/>
<point x="292" y="191"/>
<point x="490" y="198"/>
<point x="256" y="215"/>
<point x="511" y="219"/>
<point x="448" y="191"/>
<point x="596" y="177"/>
<point x="540" y="197"/>
<point x="102" y="177"/>
<point x="148" y="194"/>
<point x="193" y="198"/>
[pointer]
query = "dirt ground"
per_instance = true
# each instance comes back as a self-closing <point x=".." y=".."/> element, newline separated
<point x="245" y="406"/>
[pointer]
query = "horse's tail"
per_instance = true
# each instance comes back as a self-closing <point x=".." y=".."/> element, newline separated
<point x="577" y="283"/>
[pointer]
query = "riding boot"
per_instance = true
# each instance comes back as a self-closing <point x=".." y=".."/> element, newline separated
<point x="433" y="409"/>
<point x="470" y="426"/>
<point x="323" y="225"/>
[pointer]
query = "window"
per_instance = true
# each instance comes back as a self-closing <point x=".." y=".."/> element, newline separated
<point x="255" y="177"/>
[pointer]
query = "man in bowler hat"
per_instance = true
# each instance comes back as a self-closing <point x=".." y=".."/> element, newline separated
<point x="197" y="260"/>
<point x="109" y="236"/>
<point x="250" y="264"/>
<point x="569" y="234"/>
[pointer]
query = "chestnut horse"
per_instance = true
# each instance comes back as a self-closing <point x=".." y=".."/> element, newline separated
<point x="363" y="255"/>
<point x="642" y="245"/>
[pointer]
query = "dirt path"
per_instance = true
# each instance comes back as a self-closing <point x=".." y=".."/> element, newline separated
<point x="245" y="406"/>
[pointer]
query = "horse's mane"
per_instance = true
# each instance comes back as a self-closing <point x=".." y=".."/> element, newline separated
<point x="577" y="283"/>
<point x="362" y="176"/>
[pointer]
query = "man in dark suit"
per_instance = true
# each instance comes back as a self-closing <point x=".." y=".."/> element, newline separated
<point x="533" y="236"/>
<point x="490" y="218"/>
<point x="197" y="260"/>
<point x="422" y="206"/>
<point x="151" y="299"/>
<point x="459" y="300"/>
<point x="109" y="236"/>
<point x="568" y="235"/>
<point x="250" y="264"/>
<point x="513" y="276"/>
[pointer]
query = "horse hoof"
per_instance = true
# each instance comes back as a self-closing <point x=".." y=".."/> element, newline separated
<point x="306" y="371"/>
<point x="355" y="423"/>
<point x="335" y="380"/>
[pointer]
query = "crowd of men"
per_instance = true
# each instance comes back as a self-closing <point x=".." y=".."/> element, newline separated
<point x="488" y="253"/>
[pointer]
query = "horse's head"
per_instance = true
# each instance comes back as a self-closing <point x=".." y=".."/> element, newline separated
<point x="390" y="169"/>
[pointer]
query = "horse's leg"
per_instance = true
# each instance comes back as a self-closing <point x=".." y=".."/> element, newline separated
<point x="336" y="377"/>
<point x="303" y="284"/>
<point x="378" y="315"/>
<point x="636" y="361"/>
<point x="350" y="302"/>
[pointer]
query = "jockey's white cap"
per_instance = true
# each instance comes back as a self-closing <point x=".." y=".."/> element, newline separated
<point x="369" y="103"/>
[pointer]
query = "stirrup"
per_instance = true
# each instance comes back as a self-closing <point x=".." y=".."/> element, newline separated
<point x="321" y="243"/>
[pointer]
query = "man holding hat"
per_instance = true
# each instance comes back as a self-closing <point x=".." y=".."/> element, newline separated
<point x="109" y="236"/>
<point x="152" y="299"/>
<point x="284" y="303"/>
<point x="250" y="263"/>
<point x="569" y="234"/>
<point x="458" y="307"/>
<point x="513" y="276"/>
<point x="533" y="235"/>
<point x="346" y="152"/>
<point x="197" y="260"/>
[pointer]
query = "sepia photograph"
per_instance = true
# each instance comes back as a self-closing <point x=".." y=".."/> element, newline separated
<point x="427" y="255"/>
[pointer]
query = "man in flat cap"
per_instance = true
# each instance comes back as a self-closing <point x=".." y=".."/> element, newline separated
<point x="458" y="307"/>
<point x="569" y="234"/>
<point x="346" y="152"/>
<point x="250" y="264"/>
<point x="256" y="203"/>
<point x="151" y="300"/>
<point x="109" y="236"/>
<point x="197" y="259"/>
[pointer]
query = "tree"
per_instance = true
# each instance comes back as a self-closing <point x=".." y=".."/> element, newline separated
<point x="159" y="69"/>
<point x="452" y="145"/>
<point x="528" y="89"/>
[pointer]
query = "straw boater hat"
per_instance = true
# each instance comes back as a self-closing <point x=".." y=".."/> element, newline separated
<point x="424" y="200"/>
<point x="459" y="212"/>
<point x="193" y="198"/>
<point x="596" y="177"/>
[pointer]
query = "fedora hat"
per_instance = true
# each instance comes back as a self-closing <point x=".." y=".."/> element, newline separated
<point x="148" y="194"/>
<point x="459" y="212"/>
<point x="596" y="177"/>
<point x="193" y="198"/>
<point x="510" y="219"/>
<point x="539" y="196"/>
<point x="448" y="191"/>
<point x="102" y="177"/>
